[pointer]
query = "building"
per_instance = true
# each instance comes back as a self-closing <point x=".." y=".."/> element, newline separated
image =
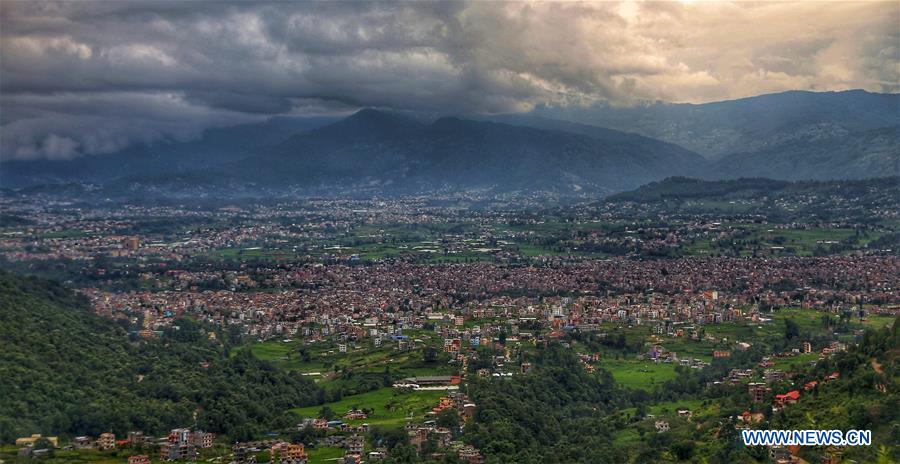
<point x="779" y="454"/>
<point x="661" y="426"/>
<point x="468" y="411"/>
<point x="758" y="392"/>
<point x="243" y="454"/>
<point x="774" y="375"/>
<point x="296" y="452"/>
<point x="30" y="441"/>
<point x="470" y="455"/>
<point x="355" y="444"/>
<point x="432" y="381"/>
<point x="790" y="397"/>
<point x="177" y="451"/>
<point x="355" y="414"/>
<point x="135" y="437"/>
<point x="180" y="435"/>
<point x="203" y="439"/>
<point x="139" y="459"/>
<point x="287" y="453"/>
<point x="82" y="442"/>
<point x="107" y="441"/>
<point x="179" y="445"/>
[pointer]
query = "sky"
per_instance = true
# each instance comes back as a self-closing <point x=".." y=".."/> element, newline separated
<point x="82" y="78"/>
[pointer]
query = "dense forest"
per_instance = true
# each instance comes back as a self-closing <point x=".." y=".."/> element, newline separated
<point x="66" y="371"/>
<point x="556" y="414"/>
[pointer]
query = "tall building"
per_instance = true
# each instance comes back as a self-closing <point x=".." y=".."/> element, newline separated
<point x="179" y="446"/>
<point x="107" y="441"/>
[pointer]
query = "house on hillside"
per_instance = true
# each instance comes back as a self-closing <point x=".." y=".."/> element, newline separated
<point x="790" y="397"/>
<point x="661" y="426"/>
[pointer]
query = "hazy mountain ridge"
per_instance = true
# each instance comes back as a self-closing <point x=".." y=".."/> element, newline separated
<point x="791" y="136"/>
<point x="215" y="146"/>
<point x="818" y="156"/>
<point x="404" y="154"/>
<point x="748" y="124"/>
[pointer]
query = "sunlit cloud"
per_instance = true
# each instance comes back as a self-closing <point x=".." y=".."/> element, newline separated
<point x="245" y="60"/>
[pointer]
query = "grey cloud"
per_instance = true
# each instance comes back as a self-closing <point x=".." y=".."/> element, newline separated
<point x="88" y="77"/>
<point x="71" y="125"/>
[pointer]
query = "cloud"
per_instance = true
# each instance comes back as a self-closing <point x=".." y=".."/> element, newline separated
<point x="65" y="126"/>
<point x="79" y="78"/>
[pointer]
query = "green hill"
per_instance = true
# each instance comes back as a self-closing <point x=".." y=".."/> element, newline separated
<point x="66" y="371"/>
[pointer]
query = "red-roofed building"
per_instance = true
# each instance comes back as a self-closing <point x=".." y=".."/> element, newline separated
<point x="790" y="397"/>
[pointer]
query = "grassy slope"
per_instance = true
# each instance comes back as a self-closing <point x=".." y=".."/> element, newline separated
<point x="391" y="407"/>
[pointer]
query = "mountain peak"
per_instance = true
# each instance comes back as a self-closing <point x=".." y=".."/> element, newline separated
<point x="369" y="113"/>
<point x="369" y="125"/>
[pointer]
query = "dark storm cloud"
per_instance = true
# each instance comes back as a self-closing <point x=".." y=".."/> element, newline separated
<point x="89" y="77"/>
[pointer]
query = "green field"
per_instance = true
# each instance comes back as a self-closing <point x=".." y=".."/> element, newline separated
<point x="878" y="321"/>
<point x="685" y="348"/>
<point x="392" y="407"/>
<point x="253" y="253"/>
<point x="69" y="233"/>
<point x="760" y="238"/>
<point x="637" y="374"/>
<point x="323" y="454"/>
<point x="800" y="360"/>
<point x="286" y="356"/>
<point x="325" y="358"/>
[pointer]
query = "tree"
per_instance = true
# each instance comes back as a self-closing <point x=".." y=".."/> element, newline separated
<point x="448" y="418"/>
<point x="402" y="454"/>
<point x="682" y="450"/>
<point x="641" y="411"/>
<point x="44" y="443"/>
<point x="388" y="437"/>
<point x="326" y="413"/>
<point x="791" y="329"/>
<point x="429" y="354"/>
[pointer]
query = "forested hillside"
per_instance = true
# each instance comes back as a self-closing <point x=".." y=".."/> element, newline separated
<point x="67" y="371"/>
<point x="865" y="397"/>
<point x="554" y="415"/>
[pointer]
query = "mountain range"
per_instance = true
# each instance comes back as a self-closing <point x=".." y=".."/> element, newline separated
<point x="746" y="125"/>
<point x="791" y="136"/>
<point x="403" y="154"/>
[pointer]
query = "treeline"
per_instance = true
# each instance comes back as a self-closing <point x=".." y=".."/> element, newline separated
<point x="66" y="371"/>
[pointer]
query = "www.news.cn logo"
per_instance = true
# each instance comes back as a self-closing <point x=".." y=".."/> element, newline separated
<point x="807" y="437"/>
